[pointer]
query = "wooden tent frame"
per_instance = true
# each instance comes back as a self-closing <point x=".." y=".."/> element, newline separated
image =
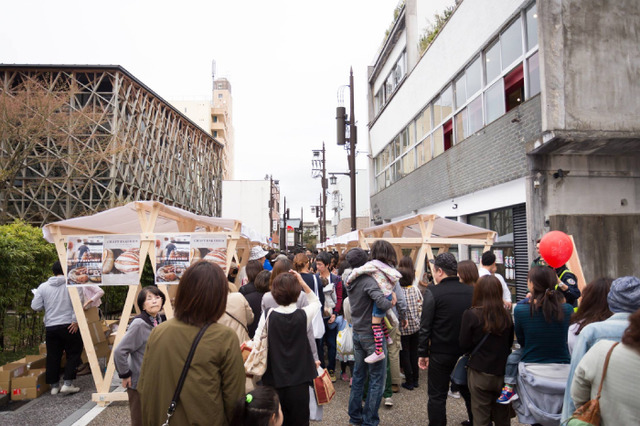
<point x="422" y="244"/>
<point x="238" y="247"/>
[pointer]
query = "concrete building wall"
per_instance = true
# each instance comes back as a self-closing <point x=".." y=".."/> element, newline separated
<point x="494" y="155"/>
<point x="198" y="111"/>
<point x="590" y="64"/>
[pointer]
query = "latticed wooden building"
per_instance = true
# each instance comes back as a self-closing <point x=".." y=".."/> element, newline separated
<point x="80" y="139"/>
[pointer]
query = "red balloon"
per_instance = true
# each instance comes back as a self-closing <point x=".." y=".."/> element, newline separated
<point x="556" y="248"/>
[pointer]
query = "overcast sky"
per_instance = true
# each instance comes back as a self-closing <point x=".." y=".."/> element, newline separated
<point x="285" y="60"/>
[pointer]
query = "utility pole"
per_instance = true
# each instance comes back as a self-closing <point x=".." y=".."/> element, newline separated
<point x="320" y="170"/>
<point x="353" y="140"/>
<point x="353" y="135"/>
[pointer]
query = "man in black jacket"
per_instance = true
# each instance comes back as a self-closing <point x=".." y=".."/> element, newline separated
<point x="438" y="347"/>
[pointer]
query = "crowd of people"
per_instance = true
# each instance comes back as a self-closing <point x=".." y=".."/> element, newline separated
<point x="367" y="314"/>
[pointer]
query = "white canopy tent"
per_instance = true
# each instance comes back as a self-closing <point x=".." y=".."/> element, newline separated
<point x="146" y="219"/>
<point x="420" y="234"/>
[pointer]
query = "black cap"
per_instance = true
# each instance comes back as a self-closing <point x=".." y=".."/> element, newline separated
<point x="356" y="257"/>
<point x="446" y="261"/>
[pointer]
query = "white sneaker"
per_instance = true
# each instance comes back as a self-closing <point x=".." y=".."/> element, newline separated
<point x="54" y="391"/>
<point x="455" y="395"/>
<point x="388" y="402"/>
<point x="69" y="389"/>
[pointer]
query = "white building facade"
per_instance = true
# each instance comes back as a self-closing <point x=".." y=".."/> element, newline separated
<point x="506" y="121"/>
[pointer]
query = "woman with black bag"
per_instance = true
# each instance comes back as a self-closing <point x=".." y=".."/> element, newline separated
<point x="485" y="369"/>
<point x="200" y="379"/>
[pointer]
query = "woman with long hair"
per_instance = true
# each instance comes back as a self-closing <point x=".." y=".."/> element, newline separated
<point x="409" y="335"/>
<point x="541" y="327"/>
<point x="485" y="374"/>
<point x="216" y="377"/>
<point x="619" y="398"/>
<point x="593" y="308"/>
<point x="468" y="272"/>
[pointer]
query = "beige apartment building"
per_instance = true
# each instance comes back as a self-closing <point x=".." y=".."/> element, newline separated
<point x="215" y="118"/>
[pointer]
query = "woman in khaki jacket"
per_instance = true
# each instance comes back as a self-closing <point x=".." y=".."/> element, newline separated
<point x="238" y="315"/>
<point x="216" y="377"/>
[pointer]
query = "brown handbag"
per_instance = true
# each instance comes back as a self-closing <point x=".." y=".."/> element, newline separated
<point x="588" y="414"/>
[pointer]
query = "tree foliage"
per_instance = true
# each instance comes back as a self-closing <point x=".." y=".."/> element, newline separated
<point x="309" y="239"/>
<point x="434" y="29"/>
<point x="25" y="262"/>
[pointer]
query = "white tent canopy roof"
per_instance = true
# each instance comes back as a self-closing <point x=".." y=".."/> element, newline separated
<point x="442" y="228"/>
<point x="125" y="220"/>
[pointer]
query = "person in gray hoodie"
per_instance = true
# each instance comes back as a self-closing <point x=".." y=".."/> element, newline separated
<point x="364" y="292"/>
<point x="61" y="330"/>
<point x="129" y="353"/>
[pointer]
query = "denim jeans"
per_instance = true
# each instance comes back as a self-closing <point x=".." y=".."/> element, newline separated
<point x="511" y="369"/>
<point x="367" y="416"/>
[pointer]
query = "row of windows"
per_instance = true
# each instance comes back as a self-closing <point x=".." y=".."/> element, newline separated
<point x="398" y="72"/>
<point x="500" y="78"/>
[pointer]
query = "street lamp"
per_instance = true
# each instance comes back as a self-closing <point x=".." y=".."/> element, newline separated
<point x="342" y="124"/>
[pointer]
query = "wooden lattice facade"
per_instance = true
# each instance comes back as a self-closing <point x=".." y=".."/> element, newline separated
<point x="122" y="143"/>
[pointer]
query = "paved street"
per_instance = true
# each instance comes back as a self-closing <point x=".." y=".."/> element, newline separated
<point x="410" y="408"/>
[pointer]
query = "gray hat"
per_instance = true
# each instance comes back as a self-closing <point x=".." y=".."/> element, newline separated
<point x="356" y="257"/>
<point x="445" y="261"/>
<point x="624" y="295"/>
<point x="257" y="252"/>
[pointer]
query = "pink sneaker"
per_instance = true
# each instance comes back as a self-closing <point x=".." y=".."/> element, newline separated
<point x="374" y="357"/>
<point x="345" y="377"/>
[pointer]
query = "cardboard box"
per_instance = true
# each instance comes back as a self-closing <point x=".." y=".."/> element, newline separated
<point x="92" y="315"/>
<point x="97" y="334"/>
<point x="42" y="348"/>
<point x="111" y="339"/>
<point x="102" y="350"/>
<point x="29" y="386"/>
<point x="8" y="372"/>
<point x="14" y="369"/>
<point x="36" y="361"/>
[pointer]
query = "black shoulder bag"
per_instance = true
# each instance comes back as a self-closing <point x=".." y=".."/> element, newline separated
<point x="459" y="373"/>
<point x="183" y="376"/>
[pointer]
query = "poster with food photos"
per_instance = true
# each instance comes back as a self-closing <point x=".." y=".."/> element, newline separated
<point x="84" y="260"/>
<point x="209" y="247"/>
<point x="121" y="260"/>
<point x="172" y="257"/>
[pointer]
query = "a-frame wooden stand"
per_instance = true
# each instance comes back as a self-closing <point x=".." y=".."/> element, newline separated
<point x="148" y="216"/>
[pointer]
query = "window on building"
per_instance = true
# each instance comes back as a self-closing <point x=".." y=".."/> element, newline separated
<point x="532" y="27"/>
<point x="461" y="91"/>
<point x="219" y="95"/>
<point x="511" y="44"/>
<point x="438" y="142"/>
<point x="514" y="88"/>
<point x="215" y="133"/>
<point x="473" y="77"/>
<point x="495" y="101"/>
<point x="215" y="118"/>
<point x="448" y="134"/>
<point x="492" y="62"/>
<point x="534" y="75"/>
<point x="475" y="115"/>
<point x="462" y="124"/>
